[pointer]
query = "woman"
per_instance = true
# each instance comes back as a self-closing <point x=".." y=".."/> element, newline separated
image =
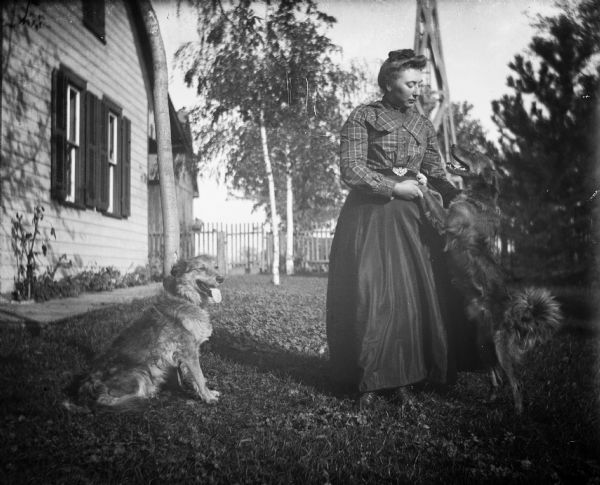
<point x="384" y="318"/>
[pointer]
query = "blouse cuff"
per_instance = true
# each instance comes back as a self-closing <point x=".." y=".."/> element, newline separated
<point x="386" y="187"/>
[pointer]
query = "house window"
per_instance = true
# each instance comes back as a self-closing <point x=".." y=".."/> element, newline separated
<point x="94" y="17"/>
<point x="91" y="148"/>
<point x="68" y="172"/>
<point x="73" y="164"/>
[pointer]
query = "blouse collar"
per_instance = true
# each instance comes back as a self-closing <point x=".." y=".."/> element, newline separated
<point x="390" y="118"/>
<point x="387" y="104"/>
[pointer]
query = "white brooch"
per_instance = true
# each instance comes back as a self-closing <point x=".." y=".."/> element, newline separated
<point x="400" y="171"/>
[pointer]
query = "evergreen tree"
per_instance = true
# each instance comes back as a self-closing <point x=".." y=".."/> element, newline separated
<point x="469" y="131"/>
<point x="546" y="129"/>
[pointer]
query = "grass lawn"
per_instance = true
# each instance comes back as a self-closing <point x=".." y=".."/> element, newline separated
<point x="279" y="419"/>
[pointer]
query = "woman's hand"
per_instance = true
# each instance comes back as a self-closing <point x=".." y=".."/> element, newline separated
<point x="421" y="179"/>
<point x="407" y="190"/>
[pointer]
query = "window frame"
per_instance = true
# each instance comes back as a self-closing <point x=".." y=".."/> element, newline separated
<point x="74" y="145"/>
<point x="113" y="110"/>
<point x="80" y="164"/>
<point x="76" y="196"/>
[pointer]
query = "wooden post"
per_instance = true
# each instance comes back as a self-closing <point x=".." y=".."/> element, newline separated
<point x="222" y="251"/>
<point x="428" y="42"/>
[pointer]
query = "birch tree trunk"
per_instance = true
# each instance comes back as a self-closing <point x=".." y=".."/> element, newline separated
<point x="271" y="182"/>
<point x="289" y="250"/>
<point x="160" y="95"/>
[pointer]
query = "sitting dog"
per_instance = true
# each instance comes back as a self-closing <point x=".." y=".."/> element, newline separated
<point x="509" y="323"/>
<point x="165" y="338"/>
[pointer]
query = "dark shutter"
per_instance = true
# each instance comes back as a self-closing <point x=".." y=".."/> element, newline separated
<point x="125" y="167"/>
<point x="93" y="124"/>
<point x="58" y="177"/>
<point x="103" y="187"/>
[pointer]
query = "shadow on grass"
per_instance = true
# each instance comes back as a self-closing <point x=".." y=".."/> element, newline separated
<point x="310" y="370"/>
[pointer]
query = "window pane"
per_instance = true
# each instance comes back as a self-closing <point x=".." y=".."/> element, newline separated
<point x="94" y="17"/>
<point x="71" y="163"/>
<point x="111" y="187"/>
<point x="112" y="141"/>
<point x="73" y="115"/>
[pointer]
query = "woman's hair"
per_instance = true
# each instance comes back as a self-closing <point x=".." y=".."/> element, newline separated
<point x="398" y="61"/>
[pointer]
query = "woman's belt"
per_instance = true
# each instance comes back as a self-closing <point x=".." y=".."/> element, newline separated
<point x="441" y="185"/>
<point x="396" y="172"/>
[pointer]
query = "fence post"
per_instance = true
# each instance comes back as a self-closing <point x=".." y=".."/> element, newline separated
<point x="269" y="248"/>
<point x="222" y="251"/>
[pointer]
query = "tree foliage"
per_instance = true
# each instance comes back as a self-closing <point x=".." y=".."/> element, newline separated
<point x="469" y="131"/>
<point x="275" y="57"/>
<point x="313" y="152"/>
<point x="546" y="135"/>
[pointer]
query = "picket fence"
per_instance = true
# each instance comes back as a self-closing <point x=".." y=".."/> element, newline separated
<point x="248" y="247"/>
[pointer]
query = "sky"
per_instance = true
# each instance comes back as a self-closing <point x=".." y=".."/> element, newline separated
<point x="479" y="39"/>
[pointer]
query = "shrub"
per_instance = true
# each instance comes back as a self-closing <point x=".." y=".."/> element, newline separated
<point x="27" y="247"/>
<point x="107" y="278"/>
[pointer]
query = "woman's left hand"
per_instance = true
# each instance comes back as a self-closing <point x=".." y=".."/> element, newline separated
<point x="421" y="179"/>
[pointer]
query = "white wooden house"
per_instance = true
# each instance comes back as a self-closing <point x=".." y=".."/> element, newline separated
<point x="75" y="130"/>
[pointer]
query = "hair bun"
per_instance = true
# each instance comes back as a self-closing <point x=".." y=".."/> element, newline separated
<point x="401" y="55"/>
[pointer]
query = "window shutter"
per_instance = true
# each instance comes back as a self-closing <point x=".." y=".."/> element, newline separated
<point x="102" y="185"/>
<point x="58" y="177"/>
<point x="92" y="149"/>
<point x="125" y="167"/>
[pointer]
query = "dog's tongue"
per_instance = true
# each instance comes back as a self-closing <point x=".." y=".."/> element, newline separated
<point x="215" y="294"/>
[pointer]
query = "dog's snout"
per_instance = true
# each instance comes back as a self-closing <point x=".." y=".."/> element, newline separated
<point x="220" y="279"/>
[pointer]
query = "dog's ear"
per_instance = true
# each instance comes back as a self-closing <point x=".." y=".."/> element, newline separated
<point x="170" y="284"/>
<point x="488" y="170"/>
<point x="490" y="176"/>
<point x="502" y="171"/>
<point x="179" y="268"/>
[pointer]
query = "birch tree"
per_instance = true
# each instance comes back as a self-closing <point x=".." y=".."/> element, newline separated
<point x="272" y="64"/>
<point x="261" y="60"/>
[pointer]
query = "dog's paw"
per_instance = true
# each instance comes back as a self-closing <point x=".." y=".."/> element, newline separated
<point x="211" y="397"/>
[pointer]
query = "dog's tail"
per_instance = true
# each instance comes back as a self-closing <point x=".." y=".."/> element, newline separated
<point x="120" y="404"/>
<point x="533" y="315"/>
<point x="106" y="404"/>
<point x="93" y="394"/>
<point x="75" y="408"/>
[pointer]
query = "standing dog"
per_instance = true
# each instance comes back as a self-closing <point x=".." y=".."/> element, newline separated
<point x="166" y="337"/>
<point x="509" y="323"/>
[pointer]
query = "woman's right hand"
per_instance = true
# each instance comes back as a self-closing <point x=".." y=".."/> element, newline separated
<point x="407" y="190"/>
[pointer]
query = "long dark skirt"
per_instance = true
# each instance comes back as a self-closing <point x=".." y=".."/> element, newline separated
<point x="387" y="296"/>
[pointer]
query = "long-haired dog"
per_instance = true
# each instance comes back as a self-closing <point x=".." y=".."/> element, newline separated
<point x="164" y="340"/>
<point x="509" y="323"/>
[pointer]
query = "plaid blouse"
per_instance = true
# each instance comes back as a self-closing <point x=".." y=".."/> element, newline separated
<point x="376" y="136"/>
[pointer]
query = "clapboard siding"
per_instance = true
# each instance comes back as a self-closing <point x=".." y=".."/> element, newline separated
<point x="114" y="70"/>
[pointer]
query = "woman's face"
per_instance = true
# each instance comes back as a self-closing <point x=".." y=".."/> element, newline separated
<point x="405" y="89"/>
